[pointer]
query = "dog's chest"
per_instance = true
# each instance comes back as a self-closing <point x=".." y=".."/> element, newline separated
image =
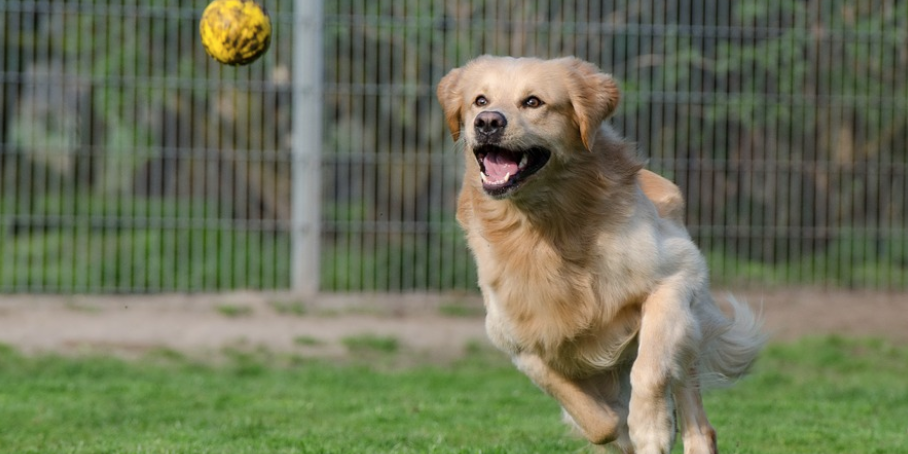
<point x="564" y="303"/>
<point x="534" y="300"/>
<point x="580" y="318"/>
<point x="603" y="347"/>
<point x="577" y="337"/>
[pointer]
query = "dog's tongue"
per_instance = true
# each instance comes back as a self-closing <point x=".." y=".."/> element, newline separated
<point x="500" y="163"/>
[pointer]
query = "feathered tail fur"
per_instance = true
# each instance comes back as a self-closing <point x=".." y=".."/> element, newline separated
<point x="731" y="344"/>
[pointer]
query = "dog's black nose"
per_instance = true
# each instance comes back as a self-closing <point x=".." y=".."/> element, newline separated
<point x="490" y="123"/>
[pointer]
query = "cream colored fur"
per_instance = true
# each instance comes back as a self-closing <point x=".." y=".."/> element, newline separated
<point x="590" y="279"/>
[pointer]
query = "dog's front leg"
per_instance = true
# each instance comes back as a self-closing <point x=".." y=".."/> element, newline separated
<point x="598" y="423"/>
<point x="668" y="333"/>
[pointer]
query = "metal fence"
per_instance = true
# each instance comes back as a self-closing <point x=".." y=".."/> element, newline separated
<point x="131" y="162"/>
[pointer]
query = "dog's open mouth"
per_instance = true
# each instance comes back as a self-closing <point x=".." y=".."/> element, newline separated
<point x="502" y="170"/>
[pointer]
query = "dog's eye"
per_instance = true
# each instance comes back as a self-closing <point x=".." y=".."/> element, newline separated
<point x="481" y="101"/>
<point x="533" y="102"/>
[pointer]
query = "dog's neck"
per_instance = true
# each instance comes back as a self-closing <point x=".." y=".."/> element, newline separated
<point x="545" y="240"/>
<point x="591" y="193"/>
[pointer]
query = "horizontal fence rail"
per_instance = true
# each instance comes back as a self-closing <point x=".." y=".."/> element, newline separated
<point x="132" y="162"/>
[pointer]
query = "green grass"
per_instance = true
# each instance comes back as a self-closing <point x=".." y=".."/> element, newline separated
<point x="816" y="396"/>
<point x="233" y="311"/>
<point x="308" y="341"/>
<point x="258" y="403"/>
<point x="828" y="395"/>
<point x="289" y="307"/>
<point x="370" y="343"/>
<point x="460" y="309"/>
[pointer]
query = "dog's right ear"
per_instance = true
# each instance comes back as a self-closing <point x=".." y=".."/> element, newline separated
<point x="451" y="100"/>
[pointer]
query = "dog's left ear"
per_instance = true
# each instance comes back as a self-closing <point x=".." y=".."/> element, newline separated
<point x="451" y="100"/>
<point x="594" y="95"/>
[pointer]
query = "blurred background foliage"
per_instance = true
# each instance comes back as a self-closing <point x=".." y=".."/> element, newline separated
<point x="124" y="148"/>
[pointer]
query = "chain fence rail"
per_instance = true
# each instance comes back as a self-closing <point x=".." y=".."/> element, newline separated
<point x="132" y="162"/>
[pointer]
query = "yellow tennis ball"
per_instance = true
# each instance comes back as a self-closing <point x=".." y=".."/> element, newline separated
<point x="235" y="32"/>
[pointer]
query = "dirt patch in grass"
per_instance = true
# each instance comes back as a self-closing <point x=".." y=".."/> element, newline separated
<point x="424" y="326"/>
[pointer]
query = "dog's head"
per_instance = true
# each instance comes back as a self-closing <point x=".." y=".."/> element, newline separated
<point x="517" y="115"/>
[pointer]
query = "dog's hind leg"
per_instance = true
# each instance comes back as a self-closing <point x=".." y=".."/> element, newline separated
<point x="697" y="435"/>
<point x="599" y="423"/>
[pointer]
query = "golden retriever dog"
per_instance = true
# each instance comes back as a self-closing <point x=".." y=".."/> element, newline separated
<point x="590" y="279"/>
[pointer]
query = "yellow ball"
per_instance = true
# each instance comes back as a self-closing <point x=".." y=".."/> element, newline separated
<point x="235" y="32"/>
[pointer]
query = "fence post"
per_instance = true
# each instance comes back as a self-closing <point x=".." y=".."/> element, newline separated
<point x="308" y="64"/>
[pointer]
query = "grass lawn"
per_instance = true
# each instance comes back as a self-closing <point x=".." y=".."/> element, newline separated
<point x="816" y="396"/>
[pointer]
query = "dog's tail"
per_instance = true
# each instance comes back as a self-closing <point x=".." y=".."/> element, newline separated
<point x="732" y="345"/>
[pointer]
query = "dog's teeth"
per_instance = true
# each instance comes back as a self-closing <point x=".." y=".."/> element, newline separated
<point x="485" y="178"/>
<point x="523" y="161"/>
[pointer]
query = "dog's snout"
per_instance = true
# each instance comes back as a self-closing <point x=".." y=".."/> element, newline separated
<point x="490" y="123"/>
